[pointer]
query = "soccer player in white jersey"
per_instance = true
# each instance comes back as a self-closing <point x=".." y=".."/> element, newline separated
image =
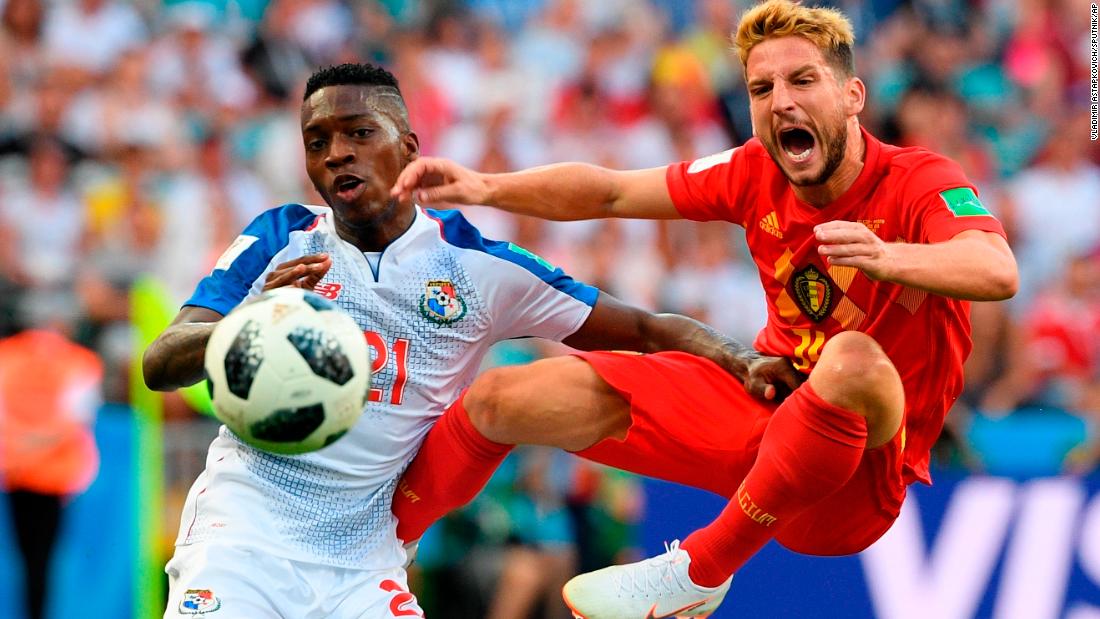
<point x="313" y="536"/>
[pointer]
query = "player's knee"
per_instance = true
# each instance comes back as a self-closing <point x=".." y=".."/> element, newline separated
<point x="852" y="347"/>
<point x="855" y="373"/>
<point x="491" y="402"/>
<point x="855" y="361"/>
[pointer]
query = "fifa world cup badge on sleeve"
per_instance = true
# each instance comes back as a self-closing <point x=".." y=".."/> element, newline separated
<point x="199" y="602"/>
<point x="441" y="303"/>
<point x="964" y="203"/>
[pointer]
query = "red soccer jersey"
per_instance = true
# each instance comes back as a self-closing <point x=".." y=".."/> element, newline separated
<point x="902" y="194"/>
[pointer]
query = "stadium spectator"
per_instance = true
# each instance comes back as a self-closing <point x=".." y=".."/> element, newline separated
<point x="706" y="274"/>
<point x="85" y="38"/>
<point x="1058" y="361"/>
<point x="21" y="24"/>
<point x="124" y="112"/>
<point x="45" y="219"/>
<point x="49" y="392"/>
<point x="1051" y="207"/>
<point x="199" y="65"/>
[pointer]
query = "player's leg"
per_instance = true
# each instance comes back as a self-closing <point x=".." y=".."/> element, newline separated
<point x="854" y="517"/>
<point x="671" y="416"/>
<point x="814" y="443"/>
<point x="560" y="402"/>
<point x="237" y="583"/>
<point x="809" y="449"/>
<point x="364" y="594"/>
<point x="691" y="422"/>
<point x="35" y="518"/>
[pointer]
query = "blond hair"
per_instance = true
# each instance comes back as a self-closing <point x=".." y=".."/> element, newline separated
<point x="828" y="29"/>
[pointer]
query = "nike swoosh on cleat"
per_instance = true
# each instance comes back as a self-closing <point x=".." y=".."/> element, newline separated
<point x="650" y="614"/>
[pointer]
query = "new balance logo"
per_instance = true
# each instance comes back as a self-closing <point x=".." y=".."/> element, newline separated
<point x="328" y="291"/>
<point x="770" y="224"/>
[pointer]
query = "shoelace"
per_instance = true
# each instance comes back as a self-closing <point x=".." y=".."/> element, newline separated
<point x="656" y="574"/>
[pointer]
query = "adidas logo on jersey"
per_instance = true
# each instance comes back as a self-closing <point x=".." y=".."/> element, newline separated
<point x="770" y="224"/>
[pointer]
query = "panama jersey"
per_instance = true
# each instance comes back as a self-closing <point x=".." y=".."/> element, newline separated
<point x="902" y="194"/>
<point x="441" y="295"/>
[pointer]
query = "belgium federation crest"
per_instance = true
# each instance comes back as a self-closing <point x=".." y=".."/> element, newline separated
<point x="440" y="303"/>
<point x="814" y="293"/>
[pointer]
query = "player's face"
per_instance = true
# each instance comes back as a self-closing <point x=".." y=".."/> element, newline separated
<point x="800" y="111"/>
<point x="356" y="146"/>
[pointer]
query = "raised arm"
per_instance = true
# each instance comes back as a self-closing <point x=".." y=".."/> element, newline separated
<point x="614" y="325"/>
<point x="973" y="265"/>
<point x="562" y="191"/>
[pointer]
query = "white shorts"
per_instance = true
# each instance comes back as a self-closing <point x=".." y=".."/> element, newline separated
<point x="218" y="581"/>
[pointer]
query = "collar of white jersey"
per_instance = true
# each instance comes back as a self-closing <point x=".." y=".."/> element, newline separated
<point x="424" y="230"/>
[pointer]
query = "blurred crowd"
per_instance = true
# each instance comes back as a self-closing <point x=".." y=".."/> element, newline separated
<point x="138" y="137"/>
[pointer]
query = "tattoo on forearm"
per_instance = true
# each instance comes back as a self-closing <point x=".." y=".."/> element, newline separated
<point x="179" y="353"/>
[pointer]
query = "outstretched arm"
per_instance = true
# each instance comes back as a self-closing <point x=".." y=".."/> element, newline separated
<point x="973" y="265"/>
<point x="614" y="325"/>
<point x="562" y="191"/>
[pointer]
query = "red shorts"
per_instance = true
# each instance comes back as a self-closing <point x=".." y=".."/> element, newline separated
<point x="694" y="424"/>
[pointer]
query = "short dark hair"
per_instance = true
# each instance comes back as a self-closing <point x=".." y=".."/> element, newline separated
<point x="350" y="74"/>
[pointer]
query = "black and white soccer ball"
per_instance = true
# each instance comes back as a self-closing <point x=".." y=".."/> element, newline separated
<point x="289" y="372"/>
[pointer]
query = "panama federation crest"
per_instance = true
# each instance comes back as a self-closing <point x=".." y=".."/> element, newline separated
<point x="199" y="602"/>
<point x="440" y="303"/>
<point x="814" y="293"/>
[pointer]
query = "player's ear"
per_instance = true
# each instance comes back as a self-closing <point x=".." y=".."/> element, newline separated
<point x="855" y="95"/>
<point x="410" y="146"/>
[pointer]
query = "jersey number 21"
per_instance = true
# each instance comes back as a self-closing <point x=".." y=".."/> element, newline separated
<point x="400" y="348"/>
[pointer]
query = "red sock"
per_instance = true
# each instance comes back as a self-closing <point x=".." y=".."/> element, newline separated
<point x="453" y="465"/>
<point x="809" y="450"/>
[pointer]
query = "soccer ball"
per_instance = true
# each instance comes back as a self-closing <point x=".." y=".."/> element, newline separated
<point x="288" y="372"/>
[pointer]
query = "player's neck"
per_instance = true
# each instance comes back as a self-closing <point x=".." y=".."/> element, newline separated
<point x="842" y="179"/>
<point x="379" y="232"/>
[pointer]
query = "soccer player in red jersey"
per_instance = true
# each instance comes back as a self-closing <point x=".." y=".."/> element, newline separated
<point x="868" y="254"/>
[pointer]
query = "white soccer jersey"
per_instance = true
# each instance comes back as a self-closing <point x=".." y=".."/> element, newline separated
<point x="440" y="297"/>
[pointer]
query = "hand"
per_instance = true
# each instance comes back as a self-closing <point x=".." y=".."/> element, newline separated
<point x="771" y="378"/>
<point x="434" y="180"/>
<point x="305" y="272"/>
<point x="852" y="244"/>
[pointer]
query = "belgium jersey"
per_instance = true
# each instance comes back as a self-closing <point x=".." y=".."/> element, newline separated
<point x="430" y="307"/>
<point x="906" y="195"/>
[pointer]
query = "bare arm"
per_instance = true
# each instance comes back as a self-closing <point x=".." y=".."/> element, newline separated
<point x="175" y="358"/>
<point x="613" y="325"/>
<point x="562" y="191"/>
<point x="972" y="265"/>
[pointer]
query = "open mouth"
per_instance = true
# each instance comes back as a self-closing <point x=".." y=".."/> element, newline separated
<point x="346" y="186"/>
<point x="797" y="142"/>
